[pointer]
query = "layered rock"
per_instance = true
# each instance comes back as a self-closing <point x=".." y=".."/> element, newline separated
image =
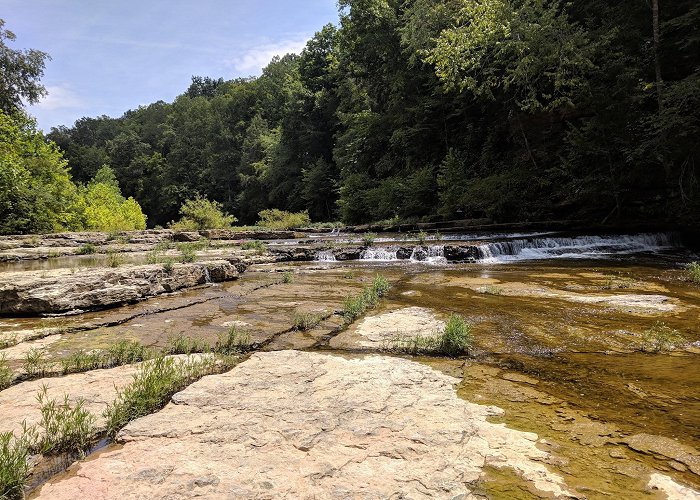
<point x="295" y="424"/>
<point x="63" y="290"/>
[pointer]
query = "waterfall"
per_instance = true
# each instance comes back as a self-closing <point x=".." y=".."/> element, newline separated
<point x="433" y="254"/>
<point x="378" y="254"/>
<point x="325" y="256"/>
<point x="207" y="276"/>
<point x="575" y="247"/>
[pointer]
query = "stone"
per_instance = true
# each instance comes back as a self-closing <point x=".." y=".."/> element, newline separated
<point x="292" y="424"/>
<point x="61" y="290"/>
<point x="671" y="488"/>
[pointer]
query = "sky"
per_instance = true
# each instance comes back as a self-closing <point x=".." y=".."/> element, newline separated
<point x="109" y="56"/>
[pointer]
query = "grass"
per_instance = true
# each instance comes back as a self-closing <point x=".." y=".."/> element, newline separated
<point x="368" y="239"/>
<point x="8" y="341"/>
<point x="115" y="259"/>
<point x="14" y="467"/>
<point x="256" y="245"/>
<point x="126" y="352"/>
<point x="6" y="375"/>
<point x="63" y="427"/>
<point x="455" y="340"/>
<point x="179" y="344"/>
<point x="234" y="341"/>
<point x="693" y="272"/>
<point x="82" y="361"/>
<point x="153" y="386"/>
<point x="288" y="277"/>
<point x="422" y="237"/>
<point x="36" y="364"/>
<point x="87" y="249"/>
<point x="187" y="254"/>
<point x="304" y="321"/>
<point x="355" y="306"/>
<point x="660" y="338"/>
<point x="490" y="290"/>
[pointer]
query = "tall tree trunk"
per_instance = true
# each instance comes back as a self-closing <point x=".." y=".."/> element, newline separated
<point x="657" y="50"/>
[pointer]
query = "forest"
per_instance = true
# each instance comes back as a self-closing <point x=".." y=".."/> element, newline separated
<point x="421" y="110"/>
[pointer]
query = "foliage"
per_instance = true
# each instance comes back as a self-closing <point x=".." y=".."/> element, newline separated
<point x="256" y="245"/>
<point x="6" y="375"/>
<point x="693" y="271"/>
<point x="234" y="341"/>
<point x="368" y="239"/>
<point x="87" y="249"/>
<point x="14" y="465"/>
<point x="304" y="321"/>
<point x="281" y="220"/>
<point x="661" y="337"/>
<point x="200" y="213"/>
<point x="115" y="259"/>
<point x="36" y="363"/>
<point x="155" y="382"/>
<point x="64" y="427"/>
<point x="355" y="306"/>
<point x="179" y="344"/>
<point x="455" y="340"/>
<point x="288" y="277"/>
<point x="104" y="207"/>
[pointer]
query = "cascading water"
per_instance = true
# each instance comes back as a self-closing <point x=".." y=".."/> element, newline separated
<point x="379" y="254"/>
<point x="434" y="254"/>
<point x="325" y="256"/>
<point x="207" y="276"/>
<point x="575" y="247"/>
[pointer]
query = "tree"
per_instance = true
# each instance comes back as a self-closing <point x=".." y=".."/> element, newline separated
<point x="20" y="71"/>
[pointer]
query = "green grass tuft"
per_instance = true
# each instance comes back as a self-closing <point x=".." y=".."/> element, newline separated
<point x="234" y="341"/>
<point x="660" y="338"/>
<point x="87" y="249"/>
<point x="14" y="467"/>
<point x="6" y="375"/>
<point x="304" y="321"/>
<point x="455" y="340"/>
<point x="693" y="271"/>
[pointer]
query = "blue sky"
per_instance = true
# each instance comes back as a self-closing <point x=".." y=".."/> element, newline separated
<point x="109" y="56"/>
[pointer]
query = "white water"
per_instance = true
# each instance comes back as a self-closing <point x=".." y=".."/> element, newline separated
<point x="580" y="247"/>
<point x="207" y="276"/>
<point x="325" y="256"/>
<point x="434" y="254"/>
<point x="378" y="254"/>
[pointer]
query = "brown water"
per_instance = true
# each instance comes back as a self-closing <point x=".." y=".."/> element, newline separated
<point x="556" y="344"/>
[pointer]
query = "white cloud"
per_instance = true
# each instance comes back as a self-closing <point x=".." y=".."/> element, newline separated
<point x="254" y="60"/>
<point x="59" y="97"/>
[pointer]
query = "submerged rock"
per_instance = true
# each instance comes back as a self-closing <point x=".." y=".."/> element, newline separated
<point x="62" y="290"/>
<point x="293" y="424"/>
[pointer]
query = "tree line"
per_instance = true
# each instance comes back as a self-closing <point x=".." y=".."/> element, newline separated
<point x="507" y="110"/>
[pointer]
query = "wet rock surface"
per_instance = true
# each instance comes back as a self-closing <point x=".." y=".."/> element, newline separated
<point x="63" y="290"/>
<point x="300" y="425"/>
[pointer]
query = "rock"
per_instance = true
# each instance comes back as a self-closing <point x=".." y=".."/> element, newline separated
<point x="347" y="253"/>
<point x="460" y="253"/>
<point x="226" y="234"/>
<point x="670" y="488"/>
<point x="296" y="254"/>
<point x="293" y="424"/>
<point x="186" y="236"/>
<point x="667" y="447"/>
<point x="94" y="288"/>
<point x="380" y="331"/>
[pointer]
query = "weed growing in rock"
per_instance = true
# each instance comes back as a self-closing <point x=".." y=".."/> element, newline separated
<point x="6" y="375"/>
<point x="179" y="344"/>
<point x="115" y="259"/>
<point x="304" y="321"/>
<point x="368" y="239"/>
<point x="63" y="427"/>
<point x="14" y="468"/>
<point x="422" y="237"/>
<point x="355" y="306"/>
<point x="168" y="266"/>
<point x="8" y="341"/>
<point x="153" y="386"/>
<point x="455" y="340"/>
<point x="490" y="290"/>
<point x="256" y="245"/>
<point x="82" y="361"/>
<point x="87" y="249"/>
<point x="661" y="337"/>
<point x="693" y="270"/>
<point x="187" y="254"/>
<point x="288" y="277"/>
<point x="36" y="363"/>
<point x="233" y="341"/>
<point x="126" y="352"/>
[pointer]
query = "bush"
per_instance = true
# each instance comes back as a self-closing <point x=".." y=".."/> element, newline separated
<point x="234" y="341"/>
<point x="455" y="340"/>
<point x="256" y="245"/>
<point x="200" y="213"/>
<point x="153" y="386"/>
<point x="187" y="254"/>
<point x="14" y="468"/>
<point x="355" y="306"/>
<point x="115" y="259"/>
<point x="693" y="270"/>
<point x="81" y="361"/>
<point x="368" y="239"/>
<point x="36" y="363"/>
<point x="661" y="337"/>
<point x="87" y="249"/>
<point x="304" y="321"/>
<point x="280" y="220"/>
<point x="288" y="277"/>
<point x="64" y="427"/>
<point x="179" y="344"/>
<point x="126" y="352"/>
<point x="6" y="375"/>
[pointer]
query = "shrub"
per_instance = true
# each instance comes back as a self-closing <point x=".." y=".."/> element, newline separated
<point x="187" y="254"/>
<point x="661" y="337"/>
<point x="168" y="266"/>
<point x="115" y="259"/>
<point x="304" y="321"/>
<point x="355" y="306"/>
<point x="234" y="341"/>
<point x="256" y="245"/>
<point x="179" y="344"/>
<point x="82" y="361"/>
<point x="14" y="468"/>
<point x="64" y="427"/>
<point x="153" y="386"/>
<point x="455" y="340"/>
<point x="280" y="220"/>
<point x="87" y="249"/>
<point x="288" y="277"/>
<point x="368" y="239"/>
<point x="126" y="352"/>
<point x="200" y="213"/>
<point x="36" y="363"/>
<point x="6" y="375"/>
<point x="422" y="237"/>
<point x="693" y="270"/>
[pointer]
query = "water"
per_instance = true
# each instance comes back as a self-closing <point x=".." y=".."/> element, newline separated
<point x="579" y="247"/>
<point x="379" y="254"/>
<point x="325" y="256"/>
<point x="433" y="254"/>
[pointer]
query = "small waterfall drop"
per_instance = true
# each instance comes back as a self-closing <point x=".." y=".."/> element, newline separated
<point x="207" y="276"/>
<point x="590" y="247"/>
<point x="379" y="254"/>
<point x="325" y="256"/>
<point x="433" y="254"/>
